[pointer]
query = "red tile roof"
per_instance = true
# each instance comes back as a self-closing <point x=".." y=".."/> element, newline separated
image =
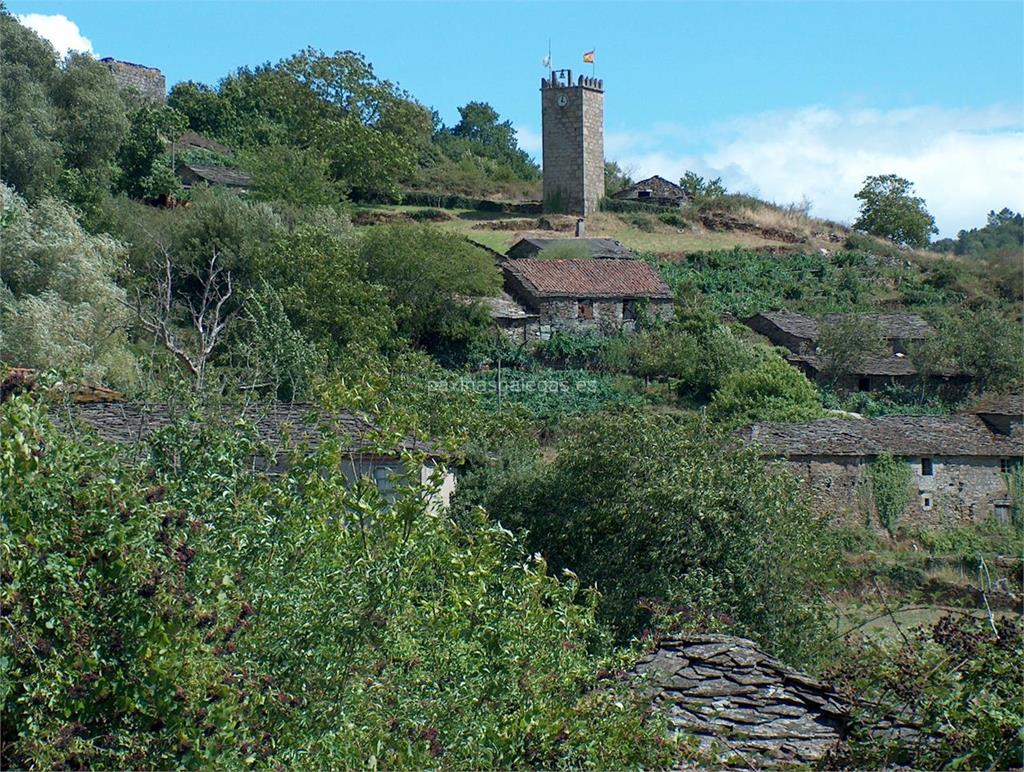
<point x="588" y="278"/>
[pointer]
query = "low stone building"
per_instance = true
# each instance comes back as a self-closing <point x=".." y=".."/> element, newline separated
<point x="586" y="295"/>
<point x="959" y="464"/>
<point x="195" y="174"/>
<point x="367" y="451"/>
<point x="654" y="190"/>
<point x="800" y="334"/>
<point x="599" y="249"/>
<point x="148" y="82"/>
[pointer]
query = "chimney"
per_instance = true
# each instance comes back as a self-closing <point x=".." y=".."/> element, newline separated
<point x="579" y="228"/>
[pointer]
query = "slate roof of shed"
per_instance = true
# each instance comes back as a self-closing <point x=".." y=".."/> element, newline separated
<point x="189" y="139"/>
<point x="659" y="187"/>
<point x="958" y="435"/>
<point x="302" y="424"/>
<point x="905" y="326"/>
<point x="219" y="175"/>
<point x="598" y="248"/>
<point x="588" y="278"/>
<point x="1003" y="404"/>
<point x="880" y="365"/>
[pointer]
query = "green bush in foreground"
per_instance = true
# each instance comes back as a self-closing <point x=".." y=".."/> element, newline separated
<point x="184" y="612"/>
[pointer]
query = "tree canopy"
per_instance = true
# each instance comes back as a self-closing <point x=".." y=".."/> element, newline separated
<point x="889" y="209"/>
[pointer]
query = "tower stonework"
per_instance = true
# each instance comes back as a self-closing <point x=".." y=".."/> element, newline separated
<point x="573" y="135"/>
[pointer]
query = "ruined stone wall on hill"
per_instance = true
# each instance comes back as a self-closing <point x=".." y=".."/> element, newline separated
<point x="147" y="81"/>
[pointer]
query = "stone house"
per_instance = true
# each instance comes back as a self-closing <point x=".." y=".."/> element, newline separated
<point x="366" y="450"/>
<point x="959" y="463"/>
<point x="599" y="249"/>
<point x="586" y="295"/>
<point x="194" y="174"/>
<point x="654" y="190"/>
<point x="800" y="334"/>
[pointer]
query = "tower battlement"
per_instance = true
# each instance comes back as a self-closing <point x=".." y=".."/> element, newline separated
<point x="573" y="136"/>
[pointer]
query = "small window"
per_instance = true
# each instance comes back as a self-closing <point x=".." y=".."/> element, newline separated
<point x="643" y="194"/>
<point x="927" y="469"/>
<point x="863" y="384"/>
<point x="628" y="310"/>
<point x="926" y="503"/>
<point x="1004" y="465"/>
<point x="382" y="476"/>
<point x="584" y="309"/>
<point x="1001" y="509"/>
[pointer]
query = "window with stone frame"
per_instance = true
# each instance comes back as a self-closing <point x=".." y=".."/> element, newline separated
<point x="927" y="467"/>
<point x="584" y="309"/>
<point x="629" y="310"/>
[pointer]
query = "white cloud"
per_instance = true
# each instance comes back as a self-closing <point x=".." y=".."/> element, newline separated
<point x="62" y="33"/>
<point x="529" y="140"/>
<point x="962" y="162"/>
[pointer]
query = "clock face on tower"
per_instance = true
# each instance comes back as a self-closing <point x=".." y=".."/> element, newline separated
<point x="563" y="100"/>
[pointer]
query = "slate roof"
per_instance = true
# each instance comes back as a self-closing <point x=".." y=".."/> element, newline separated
<point x="598" y="248"/>
<point x="657" y="185"/>
<point x="504" y="307"/>
<point x="219" y="175"/>
<point x="1005" y="404"/>
<point x="126" y="423"/>
<point x="190" y="139"/>
<point x="958" y="435"/>
<point x="588" y="278"/>
<point x="880" y="365"/>
<point x="905" y="326"/>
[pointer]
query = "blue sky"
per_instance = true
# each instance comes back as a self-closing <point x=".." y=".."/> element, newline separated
<point x="788" y="100"/>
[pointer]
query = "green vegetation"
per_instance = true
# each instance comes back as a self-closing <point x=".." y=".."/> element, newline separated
<point x="171" y="607"/>
<point x="889" y="209"/>
<point x="890" y="488"/>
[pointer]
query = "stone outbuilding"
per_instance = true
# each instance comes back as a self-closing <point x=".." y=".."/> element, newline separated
<point x="599" y="249"/>
<point x="587" y="295"/>
<point x="959" y="464"/>
<point x="366" y="450"/>
<point x="195" y="174"/>
<point x="800" y="334"/>
<point x="654" y="190"/>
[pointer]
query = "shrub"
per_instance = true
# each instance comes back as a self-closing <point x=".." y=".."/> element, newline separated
<point x="890" y="487"/>
<point x="194" y="614"/>
<point x="647" y="507"/>
<point x="675" y="219"/>
<point x="772" y="390"/>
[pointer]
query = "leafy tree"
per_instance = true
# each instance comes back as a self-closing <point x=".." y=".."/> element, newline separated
<point x="144" y="171"/>
<point x="615" y="177"/>
<point x="985" y="345"/>
<point x="1001" y="237"/>
<point x="645" y="507"/>
<point x="299" y="176"/>
<point x="30" y="153"/>
<point x="424" y="271"/>
<point x="59" y="304"/>
<point x="845" y="344"/>
<point x="700" y="190"/>
<point x="889" y="209"/>
<point x="195" y="614"/>
<point x="773" y="390"/>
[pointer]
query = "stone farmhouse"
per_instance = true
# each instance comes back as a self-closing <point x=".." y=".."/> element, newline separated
<point x="800" y="334"/>
<point x="582" y="295"/>
<point x="654" y="190"/>
<point x="959" y="463"/>
<point x="366" y="450"/>
<point x="599" y="249"/>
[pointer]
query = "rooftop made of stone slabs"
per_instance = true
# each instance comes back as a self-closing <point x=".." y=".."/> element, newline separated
<point x="957" y="435"/>
<point x="904" y="326"/>
<point x="597" y="248"/>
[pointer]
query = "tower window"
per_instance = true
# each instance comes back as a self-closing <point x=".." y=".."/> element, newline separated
<point x="584" y="309"/>
<point x="927" y="469"/>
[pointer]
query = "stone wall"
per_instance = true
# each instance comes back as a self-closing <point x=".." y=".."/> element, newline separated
<point x="741" y="704"/>
<point x="573" y="145"/>
<point x="962" y="489"/>
<point x="562" y="315"/>
<point x="147" y="81"/>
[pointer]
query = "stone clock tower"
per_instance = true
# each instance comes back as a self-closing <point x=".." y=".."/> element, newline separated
<point x="573" y="120"/>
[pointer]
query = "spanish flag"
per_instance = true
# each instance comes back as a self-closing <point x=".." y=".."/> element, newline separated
<point x="588" y="57"/>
